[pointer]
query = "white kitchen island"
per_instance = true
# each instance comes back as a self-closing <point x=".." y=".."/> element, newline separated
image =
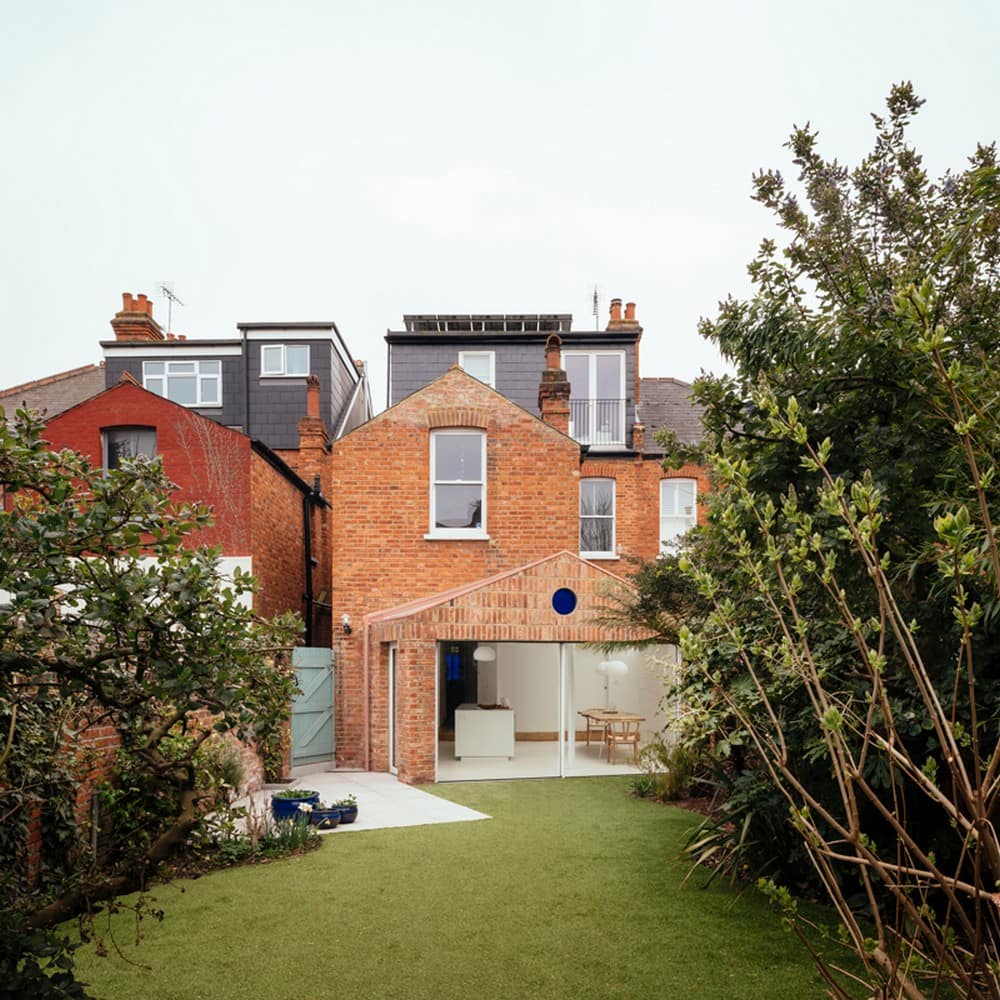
<point x="484" y="732"/>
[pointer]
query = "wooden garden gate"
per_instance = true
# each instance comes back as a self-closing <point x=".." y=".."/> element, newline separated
<point x="312" y="710"/>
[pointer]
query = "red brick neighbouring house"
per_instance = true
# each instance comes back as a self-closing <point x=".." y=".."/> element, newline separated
<point x="260" y="504"/>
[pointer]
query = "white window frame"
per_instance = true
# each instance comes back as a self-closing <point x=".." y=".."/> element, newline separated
<point x="436" y="532"/>
<point x="199" y="376"/>
<point x="490" y="356"/>
<point x="590" y="434"/>
<point x="282" y="352"/>
<point x="611" y="553"/>
<point x="674" y="514"/>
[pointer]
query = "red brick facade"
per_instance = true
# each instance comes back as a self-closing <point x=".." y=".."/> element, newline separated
<point x="637" y="501"/>
<point x="380" y="483"/>
<point x="208" y="462"/>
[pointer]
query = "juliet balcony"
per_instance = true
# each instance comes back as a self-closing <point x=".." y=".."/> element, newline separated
<point x="599" y="423"/>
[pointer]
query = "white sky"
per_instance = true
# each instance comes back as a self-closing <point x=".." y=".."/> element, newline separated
<point x="318" y="159"/>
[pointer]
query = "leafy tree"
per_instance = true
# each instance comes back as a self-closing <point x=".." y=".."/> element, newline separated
<point x="106" y="616"/>
<point x="845" y="635"/>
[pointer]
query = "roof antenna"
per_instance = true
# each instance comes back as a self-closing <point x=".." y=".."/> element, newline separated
<point x="167" y="289"/>
<point x="596" y="320"/>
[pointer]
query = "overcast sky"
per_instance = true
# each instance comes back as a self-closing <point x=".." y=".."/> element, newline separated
<point x="353" y="162"/>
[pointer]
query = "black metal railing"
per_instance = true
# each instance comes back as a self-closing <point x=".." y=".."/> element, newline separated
<point x="597" y="421"/>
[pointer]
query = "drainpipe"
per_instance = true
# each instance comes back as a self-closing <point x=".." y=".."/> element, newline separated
<point x="307" y="505"/>
<point x="366" y="697"/>
<point x="246" y="383"/>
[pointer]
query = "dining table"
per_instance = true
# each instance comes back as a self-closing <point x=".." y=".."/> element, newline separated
<point x="599" y="718"/>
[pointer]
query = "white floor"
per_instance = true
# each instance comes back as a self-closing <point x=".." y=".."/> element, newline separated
<point x="382" y="800"/>
<point x="532" y="759"/>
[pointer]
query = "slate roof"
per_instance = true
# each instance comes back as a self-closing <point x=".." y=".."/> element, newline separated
<point x="54" y="393"/>
<point x="666" y="402"/>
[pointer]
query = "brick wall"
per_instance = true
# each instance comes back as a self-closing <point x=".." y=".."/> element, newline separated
<point x="91" y="755"/>
<point x="637" y="501"/>
<point x="209" y="462"/>
<point x="276" y="540"/>
<point x="379" y="484"/>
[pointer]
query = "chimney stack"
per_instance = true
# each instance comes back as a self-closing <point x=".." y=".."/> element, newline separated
<point x="554" y="389"/>
<point x="617" y="322"/>
<point x="135" y="321"/>
<point x="314" y="438"/>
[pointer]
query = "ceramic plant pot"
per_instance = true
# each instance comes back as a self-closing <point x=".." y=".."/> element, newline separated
<point x="288" y="808"/>
<point x="348" y="814"/>
<point x="325" y="819"/>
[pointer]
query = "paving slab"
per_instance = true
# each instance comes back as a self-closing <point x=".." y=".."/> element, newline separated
<point x="383" y="801"/>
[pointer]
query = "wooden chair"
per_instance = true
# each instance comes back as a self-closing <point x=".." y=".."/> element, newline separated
<point x="596" y="728"/>
<point x="621" y="733"/>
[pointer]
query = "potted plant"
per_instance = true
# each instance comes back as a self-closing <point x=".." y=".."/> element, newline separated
<point x="348" y="807"/>
<point x="323" y="815"/>
<point x="285" y="804"/>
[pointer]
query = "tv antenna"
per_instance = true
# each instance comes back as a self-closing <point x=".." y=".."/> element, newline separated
<point x="167" y="289"/>
<point x="596" y="319"/>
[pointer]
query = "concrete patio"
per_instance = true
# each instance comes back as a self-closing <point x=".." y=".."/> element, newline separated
<point x="382" y="800"/>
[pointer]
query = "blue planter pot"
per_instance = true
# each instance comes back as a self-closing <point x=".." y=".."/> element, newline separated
<point x="348" y="814"/>
<point x="325" y="819"/>
<point x="289" y="808"/>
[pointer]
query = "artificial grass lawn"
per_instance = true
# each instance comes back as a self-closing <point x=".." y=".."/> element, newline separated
<point x="570" y="891"/>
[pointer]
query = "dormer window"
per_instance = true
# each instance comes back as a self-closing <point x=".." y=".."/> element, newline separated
<point x="480" y="365"/>
<point x="597" y="397"/>
<point x="289" y="360"/>
<point x="190" y="383"/>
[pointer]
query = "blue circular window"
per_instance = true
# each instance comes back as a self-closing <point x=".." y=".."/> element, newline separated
<point x="564" y="601"/>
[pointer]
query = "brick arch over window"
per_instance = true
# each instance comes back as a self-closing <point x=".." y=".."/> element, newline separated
<point x="458" y="416"/>
<point x="599" y="470"/>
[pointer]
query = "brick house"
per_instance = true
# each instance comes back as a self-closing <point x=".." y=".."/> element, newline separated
<point x="477" y="534"/>
<point x="264" y="511"/>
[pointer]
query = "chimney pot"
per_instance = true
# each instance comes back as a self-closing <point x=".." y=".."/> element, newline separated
<point x="630" y="311"/>
<point x="616" y="310"/>
<point x="553" y="353"/>
<point x="312" y="396"/>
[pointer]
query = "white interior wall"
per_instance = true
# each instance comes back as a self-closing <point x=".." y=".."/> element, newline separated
<point x="486" y="682"/>
<point x="641" y="690"/>
<point x="528" y="677"/>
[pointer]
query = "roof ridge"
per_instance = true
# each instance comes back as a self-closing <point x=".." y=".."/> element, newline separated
<point x="49" y="379"/>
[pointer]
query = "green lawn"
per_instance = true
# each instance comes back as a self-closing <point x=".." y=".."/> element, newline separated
<point x="570" y="891"/>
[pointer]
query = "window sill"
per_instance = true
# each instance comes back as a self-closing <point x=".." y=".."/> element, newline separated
<point x="599" y="555"/>
<point x="269" y="375"/>
<point x="472" y="536"/>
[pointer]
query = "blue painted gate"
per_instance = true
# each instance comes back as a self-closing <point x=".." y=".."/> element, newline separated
<point x="312" y="710"/>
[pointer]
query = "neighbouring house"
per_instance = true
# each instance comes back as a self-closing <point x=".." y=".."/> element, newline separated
<point x="254" y="382"/>
<point x="477" y="534"/>
<point x="268" y="520"/>
<point x="54" y="393"/>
